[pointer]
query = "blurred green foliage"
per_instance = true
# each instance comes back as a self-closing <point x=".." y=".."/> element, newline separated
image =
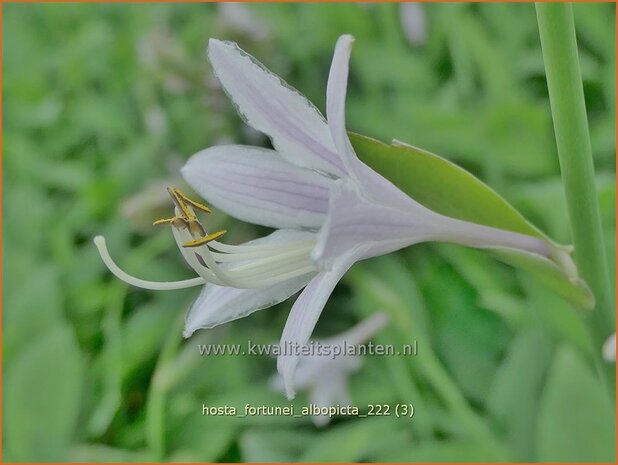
<point x="103" y="102"/>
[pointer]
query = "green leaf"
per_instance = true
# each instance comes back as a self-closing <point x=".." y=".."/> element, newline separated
<point x="42" y="398"/>
<point x="189" y="436"/>
<point x="444" y="451"/>
<point x="143" y="333"/>
<point x="576" y="419"/>
<point x="493" y="282"/>
<point x="572" y="289"/>
<point x="514" y="396"/>
<point x="29" y="314"/>
<point x="349" y="442"/>
<point x="469" y="339"/>
<point x="452" y="191"/>
<point x="97" y="453"/>
<point x="441" y="185"/>
<point x="556" y="317"/>
<point x="274" y="445"/>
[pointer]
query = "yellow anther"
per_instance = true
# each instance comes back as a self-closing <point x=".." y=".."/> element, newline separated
<point x="193" y="203"/>
<point x="205" y="239"/>
<point x="185" y="204"/>
<point x="188" y="220"/>
<point x="164" y="221"/>
<point x="177" y="222"/>
<point x="179" y="200"/>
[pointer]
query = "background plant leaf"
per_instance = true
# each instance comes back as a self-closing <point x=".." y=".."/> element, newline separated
<point x="576" y="418"/>
<point x="42" y="397"/>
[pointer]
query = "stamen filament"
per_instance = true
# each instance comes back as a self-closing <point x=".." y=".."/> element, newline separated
<point x="239" y="257"/>
<point x="234" y="279"/>
<point x="204" y="240"/>
<point x="282" y="277"/>
<point x="249" y="279"/>
<point x="259" y="247"/>
<point x="270" y="269"/>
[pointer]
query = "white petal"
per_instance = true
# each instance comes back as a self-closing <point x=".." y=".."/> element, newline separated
<point x="328" y="392"/>
<point x="349" y="363"/>
<point x="311" y="367"/>
<point x="297" y="129"/>
<point x="304" y="315"/>
<point x="256" y="185"/>
<point x="308" y="370"/>
<point x="374" y="185"/>
<point x="335" y="100"/>
<point x="362" y="332"/>
<point x="218" y="304"/>
<point x="609" y="349"/>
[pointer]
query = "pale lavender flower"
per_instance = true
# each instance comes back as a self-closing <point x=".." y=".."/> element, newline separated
<point x="413" y="22"/>
<point x="239" y="17"/>
<point x="330" y="209"/>
<point x="325" y="377"/>
<point x="609" y="349"/>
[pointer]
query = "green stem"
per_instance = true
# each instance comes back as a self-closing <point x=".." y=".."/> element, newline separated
<point x="566" y="96"/>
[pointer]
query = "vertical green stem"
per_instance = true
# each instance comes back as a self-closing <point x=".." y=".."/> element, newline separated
<point x="566" y="96"/>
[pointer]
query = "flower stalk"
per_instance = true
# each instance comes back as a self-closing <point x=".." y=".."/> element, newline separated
<point x="566" y="96"/>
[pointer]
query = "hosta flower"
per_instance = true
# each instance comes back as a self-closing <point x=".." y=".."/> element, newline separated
<point x="413" y="22"/>
<point x="329" y="208"/>
<point x="609" y="349"/>
<point x="325" y="376"/>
